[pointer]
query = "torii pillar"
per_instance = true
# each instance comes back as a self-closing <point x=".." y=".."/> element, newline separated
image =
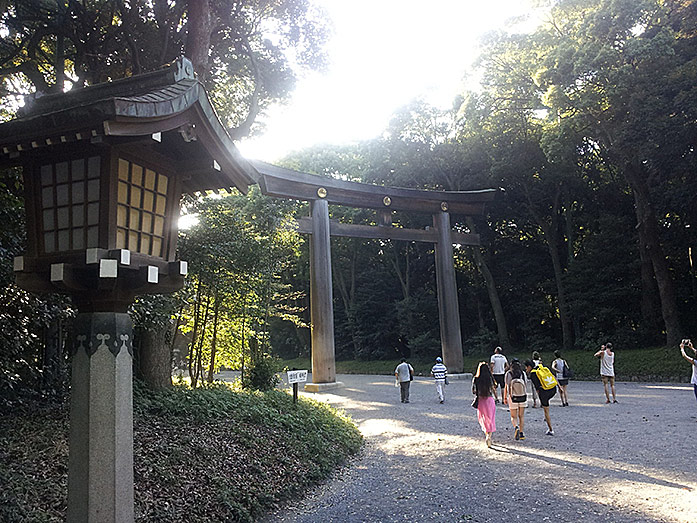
<point x="448" y="308"/>
<point x="321" y="301"/>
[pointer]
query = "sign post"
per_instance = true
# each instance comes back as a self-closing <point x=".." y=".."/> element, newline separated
<point x="295" y="377"/>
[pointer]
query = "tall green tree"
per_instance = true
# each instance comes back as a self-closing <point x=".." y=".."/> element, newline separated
<point x="247" y="53"/>
<point x="619" y="73"/>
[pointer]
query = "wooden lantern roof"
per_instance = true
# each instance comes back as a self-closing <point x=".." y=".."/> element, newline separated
<point x="166" y="114"/>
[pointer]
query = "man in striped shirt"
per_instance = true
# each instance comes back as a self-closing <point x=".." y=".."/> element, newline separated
<point x="439" y="372"/>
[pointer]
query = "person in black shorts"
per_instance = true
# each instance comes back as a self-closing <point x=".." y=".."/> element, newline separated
<point x="499" y="365"/>
<point x="544" y="394"/>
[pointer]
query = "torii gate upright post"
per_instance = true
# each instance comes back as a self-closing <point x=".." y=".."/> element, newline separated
<point x="321" y="299"/>
<point x="448" y="308"/>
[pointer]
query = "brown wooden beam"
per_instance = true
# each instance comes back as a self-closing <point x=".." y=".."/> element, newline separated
<point x="386" y="233"/>
<point x="286" y="183"/>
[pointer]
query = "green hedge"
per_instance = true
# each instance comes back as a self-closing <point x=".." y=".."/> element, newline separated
<point x="656" y="364"/>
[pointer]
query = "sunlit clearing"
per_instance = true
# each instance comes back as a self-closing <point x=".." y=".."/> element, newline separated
<point x="187" y="221"/>
<point x="669" y="387"/>
<point x="373" y="427"/>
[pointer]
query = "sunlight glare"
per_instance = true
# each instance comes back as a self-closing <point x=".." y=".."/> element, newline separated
<point x="382" y="56"/>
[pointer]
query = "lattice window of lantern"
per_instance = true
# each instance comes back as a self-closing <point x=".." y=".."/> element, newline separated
<point x="140" y="211"/>
<point x="70" y="204"/>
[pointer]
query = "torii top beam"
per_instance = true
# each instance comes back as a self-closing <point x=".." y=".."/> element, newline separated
<point x="287" y="183"/>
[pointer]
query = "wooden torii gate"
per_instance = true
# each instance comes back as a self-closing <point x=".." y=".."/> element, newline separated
<point x="320" y="192"/>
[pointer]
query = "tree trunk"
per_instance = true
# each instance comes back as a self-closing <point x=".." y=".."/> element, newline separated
<point x="155" y="359"/>
<point x="214" y="341"/>
<point x="494" y="298"/>
<point x="649" y="292"/>
<point x="201" y="339"/>
<point x="564" y="316"/>
<point x="570" y="228"/>
<point x="550" y="232"/>
<point x="648" y="227"/>
<point x="52" y="355"/>
<point x="198" y="41"/>
<point x="347" y="292"/>
<point x="194" y="331"/>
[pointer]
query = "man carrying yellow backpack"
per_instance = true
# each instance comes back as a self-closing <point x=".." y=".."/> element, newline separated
<point x="546" y="385"/>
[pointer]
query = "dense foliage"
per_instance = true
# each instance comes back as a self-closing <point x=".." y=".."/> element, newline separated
<point x="247" y="53"/>
<point x="587" y="126"/>
<point x="200" y="455"/>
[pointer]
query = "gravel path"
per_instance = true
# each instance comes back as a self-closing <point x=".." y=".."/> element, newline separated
<point x="634" y="461"/>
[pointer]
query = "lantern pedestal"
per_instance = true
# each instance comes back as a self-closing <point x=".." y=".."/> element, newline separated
<point x="100" y="467"/>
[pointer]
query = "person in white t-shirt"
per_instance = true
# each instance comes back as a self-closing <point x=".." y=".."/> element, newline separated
<point x="692" y="360"/>
<point x="404" y="373"/>
<point x="499" y="366"/>
<point x="607" y="370"/>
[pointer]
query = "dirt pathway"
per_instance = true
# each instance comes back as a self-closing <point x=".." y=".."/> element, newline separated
<point x="635" y="461"/>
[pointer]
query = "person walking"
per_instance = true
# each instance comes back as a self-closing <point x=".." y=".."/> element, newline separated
<point x="483" y="386"/>
<point x="517" y="397"/>
<point x="498" y="367"/>
<point x="607" y="370"/>
<point x="692" y="360"/>
<point x="558" y="367"/>
<point x="538" y="373"/>
<point x="404" y="374"/>
<point x="537" y="360"/>
<point x="440" y="374"/>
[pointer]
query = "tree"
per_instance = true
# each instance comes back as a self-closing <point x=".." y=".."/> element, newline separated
<point x="246" y="53"/>
<point x="605" y="73"/>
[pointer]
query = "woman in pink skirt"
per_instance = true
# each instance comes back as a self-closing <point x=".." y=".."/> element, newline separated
<point x="483" y="387"/>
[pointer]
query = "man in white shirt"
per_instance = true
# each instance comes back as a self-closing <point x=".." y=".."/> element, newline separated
<point x="404" y="374"/>
<point x="439" y="373"/>
<point x="607" y="370"/>
<point x="499" y="366"/>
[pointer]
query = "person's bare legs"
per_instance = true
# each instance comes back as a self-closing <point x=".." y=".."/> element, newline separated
<point x="612" y="386"/>
<point x="562" y="395"/>
<point x="607" y="394"/>
<point x="514" y="421"/>
<point x="521" y="418"/>
<point x="547" y="418"/>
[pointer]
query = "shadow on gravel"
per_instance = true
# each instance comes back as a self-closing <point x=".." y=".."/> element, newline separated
<point x="606" y="470"/>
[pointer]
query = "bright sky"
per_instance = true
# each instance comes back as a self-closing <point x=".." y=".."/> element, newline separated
<point x="383" y="54"/>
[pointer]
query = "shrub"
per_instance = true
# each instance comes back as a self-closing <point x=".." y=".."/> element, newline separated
<point x="262" y="374"/>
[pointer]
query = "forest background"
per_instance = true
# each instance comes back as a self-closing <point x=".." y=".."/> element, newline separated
<point x="587" y="125"/>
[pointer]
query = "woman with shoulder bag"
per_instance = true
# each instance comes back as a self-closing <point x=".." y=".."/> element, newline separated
<point x="517" y="397"/>
<point x="483" y="386"/>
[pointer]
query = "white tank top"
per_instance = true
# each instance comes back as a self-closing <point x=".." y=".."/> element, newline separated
<point x="607" y="364"/>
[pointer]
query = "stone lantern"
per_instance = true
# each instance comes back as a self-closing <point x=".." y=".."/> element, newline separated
<point x="104" y="169"/>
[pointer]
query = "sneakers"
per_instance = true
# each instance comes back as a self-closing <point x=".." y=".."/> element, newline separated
<point x="521" y="436"/>
<point x="442" y="401"/>
<point x="550" y="433"/>
<point x="615" y="401"/>
<point x="497" y="401"/>
<point x="517" y="433"/>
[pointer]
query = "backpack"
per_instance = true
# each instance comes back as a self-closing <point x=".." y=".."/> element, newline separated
<point x="566" y="371"/>
<point x="518" y="394"/>
<point x="547" y="379"/>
